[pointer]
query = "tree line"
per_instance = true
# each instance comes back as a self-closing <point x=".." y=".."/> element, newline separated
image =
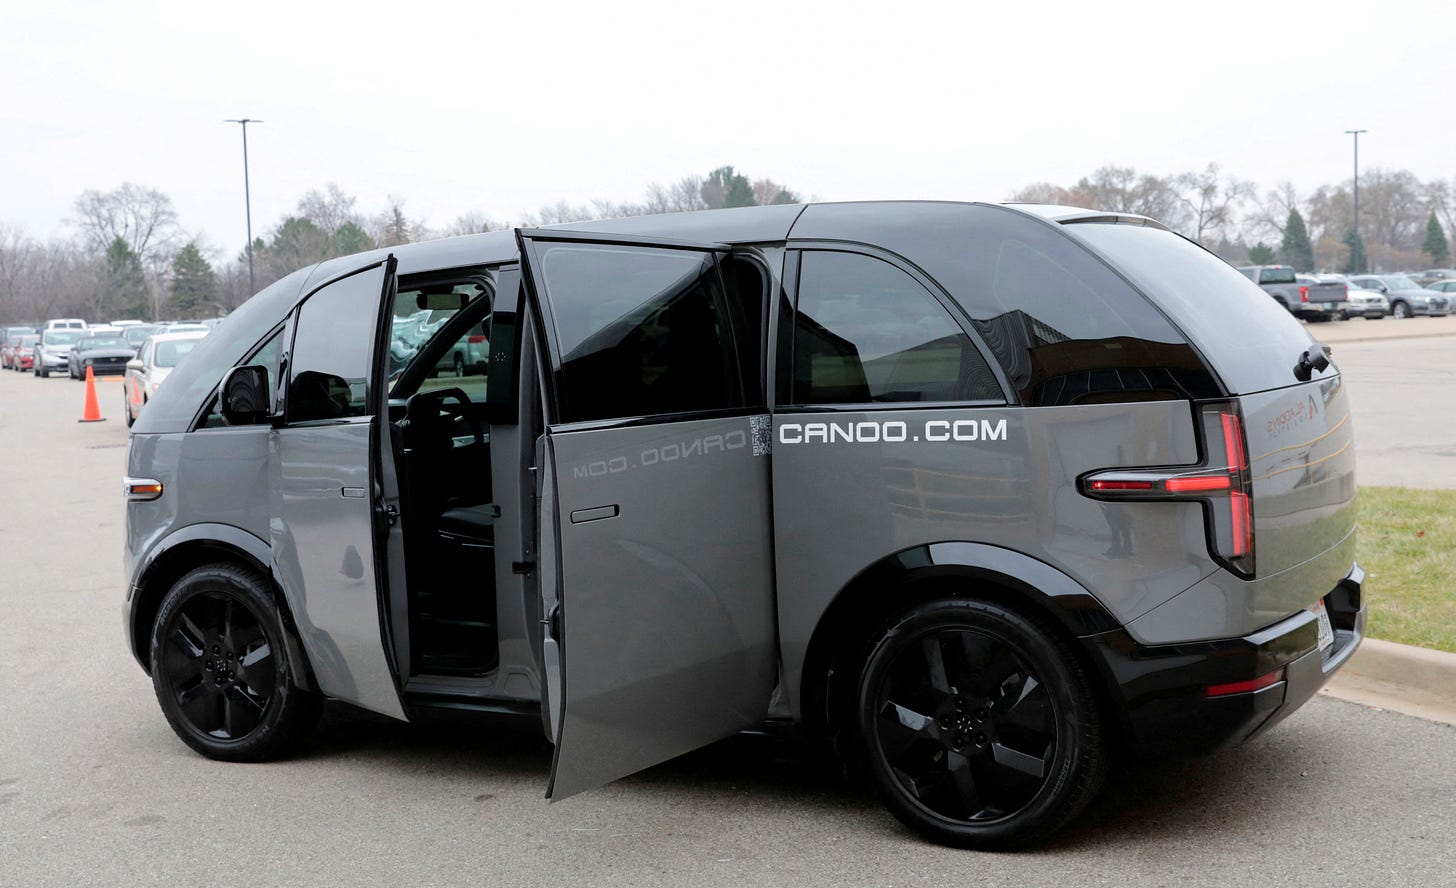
<point x="128" y="255"/>
<point x="1404" y="222"/>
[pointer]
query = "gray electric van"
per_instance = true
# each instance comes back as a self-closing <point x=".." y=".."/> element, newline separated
<point x="981" y="492"/>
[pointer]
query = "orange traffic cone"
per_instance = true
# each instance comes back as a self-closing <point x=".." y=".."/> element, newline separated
<point x="92" y="413"/>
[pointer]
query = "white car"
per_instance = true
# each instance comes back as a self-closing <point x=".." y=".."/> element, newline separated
<point x="145" y="372"/>
<point x="1368" y="304"/>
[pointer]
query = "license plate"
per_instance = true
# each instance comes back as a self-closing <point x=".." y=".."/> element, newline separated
<point x="1329" y="306"/>
<point x="1326" y="631"/>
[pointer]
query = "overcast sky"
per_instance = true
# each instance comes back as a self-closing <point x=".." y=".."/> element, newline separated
<point x="499" y="108"/>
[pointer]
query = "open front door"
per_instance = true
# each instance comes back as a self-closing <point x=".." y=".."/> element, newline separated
<point x="656" y="542"/>
<point x="326" y="540"/>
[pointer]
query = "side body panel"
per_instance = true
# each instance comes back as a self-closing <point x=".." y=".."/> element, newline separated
<point x="851" y="488"/>
<point x="323" y="545"/>
<point x="664" y="536"/>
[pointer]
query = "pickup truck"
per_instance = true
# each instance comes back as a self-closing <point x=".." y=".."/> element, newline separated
<point x="1311" y="302"/>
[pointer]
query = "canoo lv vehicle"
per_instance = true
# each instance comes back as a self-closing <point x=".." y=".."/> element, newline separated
<point x="981" y="491"/>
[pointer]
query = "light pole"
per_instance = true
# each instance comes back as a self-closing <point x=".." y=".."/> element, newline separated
<point x="1356" y="134"/>
<point x="247" y="196"/>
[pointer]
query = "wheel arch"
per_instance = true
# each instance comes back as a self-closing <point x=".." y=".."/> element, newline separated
<point x="847" y="629"/>
<point x="189" y="548"/>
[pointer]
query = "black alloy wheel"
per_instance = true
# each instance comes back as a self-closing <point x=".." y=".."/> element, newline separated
<point x="981" y="727"/>
<point x="220" y="670"/>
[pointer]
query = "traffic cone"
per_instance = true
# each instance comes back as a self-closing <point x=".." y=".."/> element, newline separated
<point x="92" y="413"/>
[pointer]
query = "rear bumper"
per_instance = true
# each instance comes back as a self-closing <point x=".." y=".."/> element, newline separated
<point x="1164" y="688"/>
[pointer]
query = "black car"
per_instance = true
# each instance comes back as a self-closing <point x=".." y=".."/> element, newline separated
<point x="106" y="354"/>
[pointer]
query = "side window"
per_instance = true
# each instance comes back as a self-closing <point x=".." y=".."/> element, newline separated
<point x="268" y="355"/>
<point x="642" y="331"/>
<point x="866" y="331"/>
<point x="333" y="344"/>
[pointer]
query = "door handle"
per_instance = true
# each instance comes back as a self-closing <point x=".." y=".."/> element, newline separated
<point x="581" y="516"/>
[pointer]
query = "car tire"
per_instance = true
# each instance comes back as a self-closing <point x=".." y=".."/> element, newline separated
<point x="126" y="408"/>
<point x="459" y="365"/>
<point x="220" y="668"/>
<point x="1400" y="310"/>
<point x="979" y="725"/>
<point x="43" y="373"/>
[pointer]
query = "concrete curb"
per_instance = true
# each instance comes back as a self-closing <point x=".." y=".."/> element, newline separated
<point x="1401" y="678"/>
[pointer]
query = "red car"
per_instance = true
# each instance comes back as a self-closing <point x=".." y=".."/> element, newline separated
<point x="17" y="353"/>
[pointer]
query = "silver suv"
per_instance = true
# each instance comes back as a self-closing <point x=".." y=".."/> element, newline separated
<point x="982" y="492"/>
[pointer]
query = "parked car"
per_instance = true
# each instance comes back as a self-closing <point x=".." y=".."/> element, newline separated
<point x="1448" y="286"/>
<point x="1319" y="301"/>
<point x="52" y="352"/>
<point x="10" y="332"/>
<point x="1368" y="304"/>
<point x="105" y="354"/>
<point x="159" y="355"/>
<point x="136" y="334"/>
<point x="984" y="492"/>
<point x="1406" y="298"/>
<point x="64" y="324"/>
<point x="15" y="354"/>
<point x="1433" y="275"/>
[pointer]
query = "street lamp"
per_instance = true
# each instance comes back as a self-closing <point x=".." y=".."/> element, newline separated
<point x="247" y="197"/>
<point x="1356" y="134"/>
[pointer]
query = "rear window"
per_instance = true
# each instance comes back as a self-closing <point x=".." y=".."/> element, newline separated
<point x="1276" y="276"/>
<point x="1251" y="341"/>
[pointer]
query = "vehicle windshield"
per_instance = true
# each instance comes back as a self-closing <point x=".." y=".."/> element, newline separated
<point x="170" y="351"/>
<point x="138" y="334"/>
<point x="1399" y="282"/>
<point x="63" y="337"/>
<point x="1277" y="276"/>
<point x="99" y="342"/>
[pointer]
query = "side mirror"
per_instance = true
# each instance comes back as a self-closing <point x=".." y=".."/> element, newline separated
<point x="244" y="396"/>
<point x="134" y="364"/>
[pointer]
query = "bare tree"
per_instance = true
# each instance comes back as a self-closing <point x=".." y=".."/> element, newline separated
<point x="1212" y="200"/>
<point x="472" y="223"/>
<point x="329" y="209"/>
<point x="142" y="217"/>
<point x="1046" y="193"/>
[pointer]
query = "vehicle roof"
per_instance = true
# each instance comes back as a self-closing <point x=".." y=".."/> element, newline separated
<point x="739" y="225"/>
<point x="180" y="334"/>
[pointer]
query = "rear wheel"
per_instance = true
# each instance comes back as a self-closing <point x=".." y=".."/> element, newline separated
<point x="220" y="670"/>
<point x="981" y="728"/>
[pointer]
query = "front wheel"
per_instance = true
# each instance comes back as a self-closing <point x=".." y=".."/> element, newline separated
<point x="220" y="670"/>
<point x="981" y="727"/>
<point x="1400" y="310"/>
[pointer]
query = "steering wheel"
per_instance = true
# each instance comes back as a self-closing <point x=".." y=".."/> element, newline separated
<point x="424" y="409"/>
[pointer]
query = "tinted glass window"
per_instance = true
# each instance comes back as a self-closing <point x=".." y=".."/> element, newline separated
<point x="642" y="331"/>
<point x="1251" y="341"/>
<point x="867" y="331"/>
<point x="333" y="350"/>
<point x="196" y="380"/>
<point x="1065" y="328"/>
<point x="1276" y="276"/>
<point x="269" y="356"/>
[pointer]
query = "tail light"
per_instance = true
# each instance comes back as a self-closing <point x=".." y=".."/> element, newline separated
<point x="1220" y="481"/>
<point x="1303" y="293"/>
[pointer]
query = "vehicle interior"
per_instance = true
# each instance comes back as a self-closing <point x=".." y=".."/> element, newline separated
<point x="441" y="443"/>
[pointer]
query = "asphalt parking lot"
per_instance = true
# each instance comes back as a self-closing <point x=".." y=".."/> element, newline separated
<point x="96" y="790"/>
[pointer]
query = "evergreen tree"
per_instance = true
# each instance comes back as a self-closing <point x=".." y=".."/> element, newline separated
<point x="1435" y="245"/>
<point x="1356" y="263"/>
<point x="194" y="285"/>
<point x="726" y="188"/>
<point x="1297" y="249"/>
<point x="126" y="282"/>
<point x="1261" y="254"/>
<point x="351" y="238"/>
